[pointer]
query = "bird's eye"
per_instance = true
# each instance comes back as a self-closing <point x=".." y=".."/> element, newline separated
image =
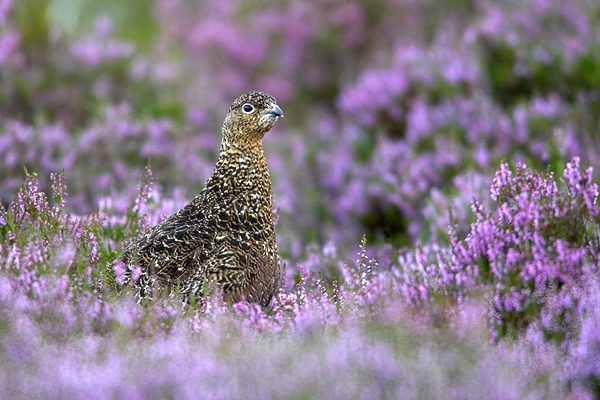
<point x="248" y="108"/>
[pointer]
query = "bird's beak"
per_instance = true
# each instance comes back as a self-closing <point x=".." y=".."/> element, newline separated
<point x="276" y="111"/>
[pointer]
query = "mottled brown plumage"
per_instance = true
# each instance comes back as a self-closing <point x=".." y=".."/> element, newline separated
<point x="225" y="236"/>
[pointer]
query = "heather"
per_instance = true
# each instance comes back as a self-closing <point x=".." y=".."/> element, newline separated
<point x="435" y="184"/>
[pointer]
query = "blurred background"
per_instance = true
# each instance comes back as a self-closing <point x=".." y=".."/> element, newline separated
<point x="397" y="112"/>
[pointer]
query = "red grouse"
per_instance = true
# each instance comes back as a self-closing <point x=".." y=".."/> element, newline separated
<point x="225" y="236"/>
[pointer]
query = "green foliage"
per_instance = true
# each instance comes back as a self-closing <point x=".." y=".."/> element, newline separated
<point x="388" y="224"/>
<point x="31" y="19"/>
<point x="499" y="64"/>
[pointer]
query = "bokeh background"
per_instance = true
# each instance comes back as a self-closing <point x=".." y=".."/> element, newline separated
<point x="398" y="113"/>
<point x="394" y="110"/>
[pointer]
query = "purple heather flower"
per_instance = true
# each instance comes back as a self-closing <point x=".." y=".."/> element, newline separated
<point x="198" y="116"/>
<point x="549" y="107"/>
<point x="418" y="121"/>
<point x="493" y="23"/>
<point x="375" y="91"/>
<point x="100" y="47"/>
<point x="120" y="270"/>
<point x="5" y="9"/>
<point x="135" y="273"/>
<point x="9" y="43"/>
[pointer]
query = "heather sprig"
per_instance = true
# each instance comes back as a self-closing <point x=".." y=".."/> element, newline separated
<point x="39" y="238"/>
<point x="534" y="250"/>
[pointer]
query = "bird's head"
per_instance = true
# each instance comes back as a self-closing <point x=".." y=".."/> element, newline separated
<point x="250" y="116"/>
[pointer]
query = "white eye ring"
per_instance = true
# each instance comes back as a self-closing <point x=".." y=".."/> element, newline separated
<point x="247" y="108"/>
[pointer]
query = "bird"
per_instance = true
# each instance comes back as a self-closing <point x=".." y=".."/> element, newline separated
<point x="225" y="237"/>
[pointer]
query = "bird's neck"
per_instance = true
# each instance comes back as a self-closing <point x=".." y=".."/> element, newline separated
<point x="246" y="167"/>
<point x="249" y="150"/>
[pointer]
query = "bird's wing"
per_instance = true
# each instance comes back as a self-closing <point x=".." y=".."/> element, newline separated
<point x="206" y="269"/>
<point x="182" y="244"/>
<point x="225" y="260"/>
<point x="164" y="249"/>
